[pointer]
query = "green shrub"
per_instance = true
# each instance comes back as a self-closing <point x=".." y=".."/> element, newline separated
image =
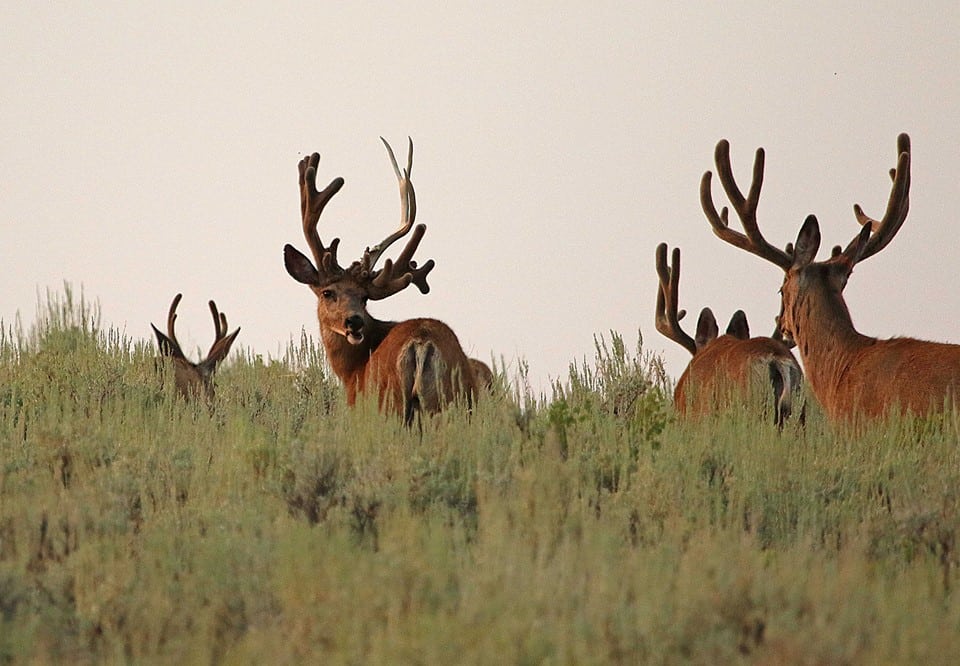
<point x="278" y="526"/>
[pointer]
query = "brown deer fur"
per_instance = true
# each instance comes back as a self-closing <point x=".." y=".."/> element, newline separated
<point x="852" y="374"/>
<point x="482" y="374"/>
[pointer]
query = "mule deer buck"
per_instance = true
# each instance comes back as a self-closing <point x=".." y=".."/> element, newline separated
<point x="413" y="365"/>
<point x="723" y="367"/>
<point x="192" y="379"/>
<point x="852" y="375"/>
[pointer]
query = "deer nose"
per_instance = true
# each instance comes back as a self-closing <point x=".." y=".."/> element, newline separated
<point x="353" y="323"/>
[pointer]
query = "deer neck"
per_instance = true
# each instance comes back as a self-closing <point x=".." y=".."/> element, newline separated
<point x="349" y="361"/>
<point x="827" y="342"/>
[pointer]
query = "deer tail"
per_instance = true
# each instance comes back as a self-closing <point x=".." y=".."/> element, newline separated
<point x="419" y="370"/>
<point x="785" y="377"/>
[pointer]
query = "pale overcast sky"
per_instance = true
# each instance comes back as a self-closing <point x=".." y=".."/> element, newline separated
<point x="151" y="148"/>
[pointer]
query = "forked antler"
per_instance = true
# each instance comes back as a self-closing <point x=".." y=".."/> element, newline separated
<point x="408" y="205"/>
<point x="898" y="205"/>
<point x="668" y="316"/>
<point x="312" y="203"/>
<point x="880" y="232"/>
<point x="222" y="341"/>
<point x="395" y="275"/>
<point x="170" y="346"/>
<point x="746" y="208"/>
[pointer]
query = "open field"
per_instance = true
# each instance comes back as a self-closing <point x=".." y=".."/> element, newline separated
<point x="587" y="526"/>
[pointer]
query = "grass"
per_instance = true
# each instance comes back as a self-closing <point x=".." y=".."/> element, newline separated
<point x="588" y="526"/>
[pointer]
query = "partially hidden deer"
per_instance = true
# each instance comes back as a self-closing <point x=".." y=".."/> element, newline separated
<point x="723" y="368"/>
<point x="193" y="379"/>
<point x="412" y="366"/>
<point x="482" y="374"/>
<point x="853" y="376"/>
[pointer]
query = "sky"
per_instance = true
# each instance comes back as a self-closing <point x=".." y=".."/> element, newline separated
<point x="148" y="149"/>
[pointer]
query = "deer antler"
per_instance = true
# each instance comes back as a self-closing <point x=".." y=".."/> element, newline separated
<point x="898" y="205"/>
<point x="668" y="317"/>
<point x="397" y="275"/>
<point x="408" y="204"/>
<point x="746" y="208"/>
<point x="169" y="345"/>
<point x="221" y="342"/>
<point x="312" y="203"/>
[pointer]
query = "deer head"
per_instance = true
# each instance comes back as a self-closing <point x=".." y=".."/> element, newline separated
<point x="415" y="365"/>
<point x="192" y="379"/>
<point x="342" y="293"/>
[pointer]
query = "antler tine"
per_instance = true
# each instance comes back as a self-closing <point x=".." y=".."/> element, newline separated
<point x="385" y="284"/>
<point x="219" y="322"/>
<point x="221" y="341"/>
<point x="397" y="275"/>
<point x="171" y="321"/>
<point x="898" y="204"/>
<point x="667" y="319"/>
<point x="312" y="203"/>
<point x="408" y="206"/>
<point x="172" y="316"/>
<point x="746" y="208"/>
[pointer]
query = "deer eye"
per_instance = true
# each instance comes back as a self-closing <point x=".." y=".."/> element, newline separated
<point x="328" y="295"/>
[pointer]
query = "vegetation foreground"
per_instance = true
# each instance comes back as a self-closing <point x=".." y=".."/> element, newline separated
<point x="278" y="526"/>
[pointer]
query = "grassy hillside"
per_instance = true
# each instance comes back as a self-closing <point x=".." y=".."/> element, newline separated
<point x="587" y="526"/>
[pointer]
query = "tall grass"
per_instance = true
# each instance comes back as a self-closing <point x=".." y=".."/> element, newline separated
<point x="588" y="526"/>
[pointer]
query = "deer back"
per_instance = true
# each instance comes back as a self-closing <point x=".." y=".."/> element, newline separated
<point x="419" y="365"/>
<point x="896" y="375"/>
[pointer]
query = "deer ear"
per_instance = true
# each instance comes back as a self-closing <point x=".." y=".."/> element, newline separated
<point x="808" y="242"/>
<point x="166" y="345"/>
<point x="219" y="351"/>
<point x="738" y="326"/>
<point x="707" y="329"/>
<point x="299" y="267"/>
<point x="855" y="249"/>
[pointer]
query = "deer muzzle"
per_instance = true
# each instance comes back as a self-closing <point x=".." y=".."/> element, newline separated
<point x="353" y="329"/>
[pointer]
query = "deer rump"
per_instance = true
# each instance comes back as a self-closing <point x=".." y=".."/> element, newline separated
<point x="728" y="371"/>
<point x="420" y="367"/>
